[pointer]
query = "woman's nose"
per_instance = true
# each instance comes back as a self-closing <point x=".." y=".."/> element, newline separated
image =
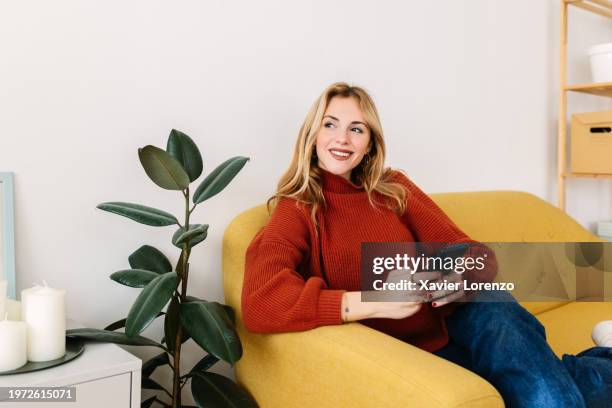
<point x="343" y="136"/>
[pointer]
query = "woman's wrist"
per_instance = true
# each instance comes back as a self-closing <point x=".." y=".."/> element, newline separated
<point x="354" y="309"/>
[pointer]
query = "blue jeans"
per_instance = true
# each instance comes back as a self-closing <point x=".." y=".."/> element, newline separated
<point x="498" y="339"/>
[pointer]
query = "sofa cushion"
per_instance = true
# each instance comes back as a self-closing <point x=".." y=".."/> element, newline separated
<point x="568" y="328"/>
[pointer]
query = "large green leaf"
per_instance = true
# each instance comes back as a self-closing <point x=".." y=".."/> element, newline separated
<point x="106" y="336"/>
<point x="228" y="309"/>
<point x="185" y="337"/>
<point x="150" y="302"/>
<point x="184" y="150"/>
<point x="211" y="327"/>
<point x="148" y="402"/>
<point x="219" y="178"/>
<point x="196" y="234"/>
<point x="230" y="313"/>
<point x="135" y="278"/>
<point x="140" y="213"/>
<point x="150" y="259"/>
<point x="121" y="323"/>
<point x="163" y="169"/>
<point x="171" y="323"/>
<point x="150" y="366"/>
<point x="205" y="363"/>
<point x="214" y="390"/>
<point x="150" y="384"/>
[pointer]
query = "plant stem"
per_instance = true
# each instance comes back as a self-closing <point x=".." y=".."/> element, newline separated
<point x="177" y="386"/>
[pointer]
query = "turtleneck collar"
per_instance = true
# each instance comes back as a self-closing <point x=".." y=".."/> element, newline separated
<point x="334" y="183"/>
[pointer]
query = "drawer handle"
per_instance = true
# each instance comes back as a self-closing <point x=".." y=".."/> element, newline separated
<point x="601" y="130"/>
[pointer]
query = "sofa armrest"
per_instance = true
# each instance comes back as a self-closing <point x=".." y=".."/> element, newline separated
<point x="353" y="365"/>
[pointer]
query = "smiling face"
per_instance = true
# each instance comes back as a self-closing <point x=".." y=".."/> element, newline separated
<point x="343" y="138"/>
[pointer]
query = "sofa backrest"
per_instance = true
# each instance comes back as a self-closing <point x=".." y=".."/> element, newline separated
<point x="510" y="216"/>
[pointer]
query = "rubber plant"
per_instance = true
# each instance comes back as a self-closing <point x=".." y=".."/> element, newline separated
<point x="210" y="324"/>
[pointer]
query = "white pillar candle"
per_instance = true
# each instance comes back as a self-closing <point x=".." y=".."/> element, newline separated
<point x="3" y="286"/>
<point x="13" y="308"/>
<point x="13" y="351"/>
<point x="44" y="312"/>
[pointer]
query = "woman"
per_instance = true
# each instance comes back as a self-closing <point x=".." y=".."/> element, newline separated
<point x="302" y="268"/>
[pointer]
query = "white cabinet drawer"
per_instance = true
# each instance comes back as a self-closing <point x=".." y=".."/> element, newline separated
<point x="105" y="392"/>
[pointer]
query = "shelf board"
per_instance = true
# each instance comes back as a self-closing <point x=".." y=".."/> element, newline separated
<point x="588" y="175"/>
<point x="601" y="7"/>
<point x="598" y="88"/>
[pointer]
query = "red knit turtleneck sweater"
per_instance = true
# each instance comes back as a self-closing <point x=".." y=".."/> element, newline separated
<point x="285" y="290"/>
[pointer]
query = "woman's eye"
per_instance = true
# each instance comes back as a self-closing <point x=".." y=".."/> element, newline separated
<point x="358" y="130"/>
<point x="328" y="125"/>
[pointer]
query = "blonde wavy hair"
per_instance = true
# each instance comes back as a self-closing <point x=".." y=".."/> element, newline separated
<point x="303" y="181"/>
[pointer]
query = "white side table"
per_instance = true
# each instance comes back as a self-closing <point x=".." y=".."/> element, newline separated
<point x="105" y="376"/>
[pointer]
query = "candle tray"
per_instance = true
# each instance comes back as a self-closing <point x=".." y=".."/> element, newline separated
<point x="74" y="348"/>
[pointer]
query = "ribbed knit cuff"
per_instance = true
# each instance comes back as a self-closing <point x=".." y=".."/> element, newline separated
<point x="329" y="307"/>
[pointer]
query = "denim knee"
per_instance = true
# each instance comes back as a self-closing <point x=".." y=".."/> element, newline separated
<point x="501" y="306"/>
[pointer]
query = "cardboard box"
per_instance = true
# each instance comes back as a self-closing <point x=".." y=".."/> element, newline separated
<point x="591" y="142"/>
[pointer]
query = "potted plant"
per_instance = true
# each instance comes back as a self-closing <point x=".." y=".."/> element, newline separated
<point x="210" y="324"/>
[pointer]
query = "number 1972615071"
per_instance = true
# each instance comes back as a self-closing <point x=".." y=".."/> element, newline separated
<point x="38" y="394"/>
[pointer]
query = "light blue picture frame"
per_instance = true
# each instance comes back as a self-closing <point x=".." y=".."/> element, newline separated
<point x="7" y="224"/>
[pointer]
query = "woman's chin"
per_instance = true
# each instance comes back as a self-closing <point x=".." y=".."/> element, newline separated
<point x="340" y="171"/>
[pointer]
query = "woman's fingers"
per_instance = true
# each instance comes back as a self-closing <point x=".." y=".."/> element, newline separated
<point x="448" y="299"/>
<point x="451" y="291"/>
<point x="429" y="286"/>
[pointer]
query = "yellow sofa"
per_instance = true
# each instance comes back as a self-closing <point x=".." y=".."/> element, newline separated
<point x="352" y="365"/>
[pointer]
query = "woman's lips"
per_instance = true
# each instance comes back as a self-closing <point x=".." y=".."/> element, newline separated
<point x="340" y="158"/>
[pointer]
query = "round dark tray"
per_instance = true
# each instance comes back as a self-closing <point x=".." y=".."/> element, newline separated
<point x="74" y="348"/>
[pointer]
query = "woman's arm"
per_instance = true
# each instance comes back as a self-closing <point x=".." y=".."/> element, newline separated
<point x="275" y="296"/>
<point x="354" y="309"/>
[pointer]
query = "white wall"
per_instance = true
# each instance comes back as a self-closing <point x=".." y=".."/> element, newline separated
<point x="466" y="89"/>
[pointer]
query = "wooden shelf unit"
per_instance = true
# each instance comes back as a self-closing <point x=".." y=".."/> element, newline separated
<point x="600" y="89"/>
<point x="588" y="175"/>
<point x="603" y="8"/>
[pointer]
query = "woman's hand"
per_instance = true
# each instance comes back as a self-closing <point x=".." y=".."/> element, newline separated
<point x="443" y="297"/>
<point x="439" y="297"/>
